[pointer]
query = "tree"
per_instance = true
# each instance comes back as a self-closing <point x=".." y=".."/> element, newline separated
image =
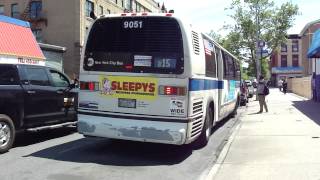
<point x="259" y="20"/>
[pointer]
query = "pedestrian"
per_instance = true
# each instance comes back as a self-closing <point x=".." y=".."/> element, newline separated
<point x="280" y="84"/>
<point x="263" y="91"/>
<point x="284" y="86"/>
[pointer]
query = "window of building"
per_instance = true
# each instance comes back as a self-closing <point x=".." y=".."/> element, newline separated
<point x="295" y="60"/>
<point x="15" y="11"/>
<point x="284" y="61"/>
<point x="89" y="8"/>
<point x="1" y="9"/>
<point x="37" y="34"/>
<point x="127" y="4"/>
<point x="122" y="3"/>
<point x="138" y="7"/>
<point x="283" y="48"/>
<point x="35" y="9"/>
<point x="101" y="10"/>
<point x="108" y="11"/>
<point x="295" y="45"/>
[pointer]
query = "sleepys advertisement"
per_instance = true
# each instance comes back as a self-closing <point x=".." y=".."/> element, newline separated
<point x="143" y="88"/>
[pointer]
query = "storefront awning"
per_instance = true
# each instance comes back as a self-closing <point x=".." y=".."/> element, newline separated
<point x="287" y="70"/>
<point x="17" y="40"/>
<point x="314" y="49"/>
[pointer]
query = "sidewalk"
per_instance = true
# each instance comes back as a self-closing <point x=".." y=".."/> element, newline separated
<point x="283" y="144"/>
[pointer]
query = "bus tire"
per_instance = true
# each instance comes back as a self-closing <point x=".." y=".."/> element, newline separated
<point x="7" y="133"/>
<point x="206" y="131"/>
<point x="234" y="112"/>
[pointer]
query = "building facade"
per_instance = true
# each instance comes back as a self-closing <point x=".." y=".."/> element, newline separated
<point x="287" y="61"/>
<point x="66" y="23"/>
<point x="306" y="38"/>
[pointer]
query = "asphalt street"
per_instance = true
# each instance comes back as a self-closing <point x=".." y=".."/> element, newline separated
<point x="63" y="154"/>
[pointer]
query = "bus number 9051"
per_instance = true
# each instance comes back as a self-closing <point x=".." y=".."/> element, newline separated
<point x="132" y="24"/>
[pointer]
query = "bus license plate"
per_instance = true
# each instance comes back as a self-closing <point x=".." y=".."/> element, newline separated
<point x="127" y="103"/>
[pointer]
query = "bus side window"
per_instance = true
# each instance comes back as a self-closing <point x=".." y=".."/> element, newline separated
<point x="225" y="70"/>
<point x="210" y="58"/>
<point x="218" y="59"/>
<point x="237" y="70"/>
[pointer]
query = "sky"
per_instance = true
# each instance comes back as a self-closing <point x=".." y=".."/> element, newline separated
<point x="211" y="14"/>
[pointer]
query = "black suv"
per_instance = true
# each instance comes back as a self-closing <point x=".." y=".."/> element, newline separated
<point x="33" y="98"/>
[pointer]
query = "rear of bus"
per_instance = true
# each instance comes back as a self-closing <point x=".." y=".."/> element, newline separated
<point x="133" y="80"/>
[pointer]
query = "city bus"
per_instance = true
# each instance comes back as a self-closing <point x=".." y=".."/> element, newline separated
<point x="154" y="78"/>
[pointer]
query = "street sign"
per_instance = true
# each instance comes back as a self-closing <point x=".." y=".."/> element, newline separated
<point x="261" y="43"/>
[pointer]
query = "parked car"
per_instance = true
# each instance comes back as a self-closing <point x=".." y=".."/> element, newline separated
<point x="244" y="93"/>
<point x="250" y="88"/>
<point x="33" y="98"/>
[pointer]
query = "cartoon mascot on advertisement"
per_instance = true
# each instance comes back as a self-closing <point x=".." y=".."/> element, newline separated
<point x="107" y="87"/>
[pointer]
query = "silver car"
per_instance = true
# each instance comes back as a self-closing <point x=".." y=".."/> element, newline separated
<point x="250" y="88"/>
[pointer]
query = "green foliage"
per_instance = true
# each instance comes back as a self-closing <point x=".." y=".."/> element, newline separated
<point x="216" y="37"/>
<point x="258" y="19"/>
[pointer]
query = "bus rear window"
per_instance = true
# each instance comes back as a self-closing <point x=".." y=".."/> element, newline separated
<point x="135" y="44"/>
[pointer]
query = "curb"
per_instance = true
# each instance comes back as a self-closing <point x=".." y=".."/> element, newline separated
<point x="223" y="154"/>
<point x="300" y="97"/>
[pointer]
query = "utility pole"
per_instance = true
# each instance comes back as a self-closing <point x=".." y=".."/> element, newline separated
<point x="258" y="66"/>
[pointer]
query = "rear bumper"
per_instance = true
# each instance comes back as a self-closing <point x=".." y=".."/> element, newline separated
<point x="133" y="129"/>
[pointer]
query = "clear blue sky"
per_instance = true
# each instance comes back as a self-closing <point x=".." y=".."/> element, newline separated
<point x="211" y="14"/>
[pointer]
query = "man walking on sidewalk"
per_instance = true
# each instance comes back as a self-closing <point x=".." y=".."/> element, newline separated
<point x="262" y="92"/>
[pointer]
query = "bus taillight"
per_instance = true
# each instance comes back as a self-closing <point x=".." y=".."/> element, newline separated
<point x="90" y="86"/>
<point x="172" y="90"/>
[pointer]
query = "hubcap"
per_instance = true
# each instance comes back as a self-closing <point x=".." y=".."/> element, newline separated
<point x="4" y="134"/>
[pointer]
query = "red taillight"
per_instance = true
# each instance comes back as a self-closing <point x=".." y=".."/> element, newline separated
<point x="144" y="14"/>
<point x="123" y="14"/>
<point x="91" y="86"/>
<point x="133" y="14"/>
<point x="129" y="67"/>
<point x="169" y="14"/>
<point x="172" y="90"/>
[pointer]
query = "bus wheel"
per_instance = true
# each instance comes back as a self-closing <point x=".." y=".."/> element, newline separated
<point x="234" y="112"/>
<point x="204" y="137"/>
<point x="7" y="133"/>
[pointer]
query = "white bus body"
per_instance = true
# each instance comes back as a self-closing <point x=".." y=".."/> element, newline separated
<point x="154" y="78"/>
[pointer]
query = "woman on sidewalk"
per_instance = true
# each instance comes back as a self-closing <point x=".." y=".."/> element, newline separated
<point x="284" y="86"/>
<point x="262" y="92"/>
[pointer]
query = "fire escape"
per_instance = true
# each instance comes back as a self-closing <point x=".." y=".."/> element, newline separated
<point x="34" y="15"/>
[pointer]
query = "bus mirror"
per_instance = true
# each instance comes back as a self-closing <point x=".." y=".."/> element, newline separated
<point x="93" y="16"/>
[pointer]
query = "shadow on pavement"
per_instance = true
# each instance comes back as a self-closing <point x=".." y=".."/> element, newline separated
<point x="28" y="138"/>
<point x="119" y="152"/>
<point x="310" y="109"/>
<point x="115" y="152"/>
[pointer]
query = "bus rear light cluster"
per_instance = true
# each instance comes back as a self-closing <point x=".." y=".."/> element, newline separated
<point x="172" y="90"/>
<point x="90" y="86"/>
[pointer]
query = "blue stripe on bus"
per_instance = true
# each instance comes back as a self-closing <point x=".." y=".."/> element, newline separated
<point x="204" y="84"/>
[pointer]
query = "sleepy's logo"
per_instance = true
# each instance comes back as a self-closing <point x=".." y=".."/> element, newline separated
<point x="144" y="88"/>
<point x="107" y="87"/>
